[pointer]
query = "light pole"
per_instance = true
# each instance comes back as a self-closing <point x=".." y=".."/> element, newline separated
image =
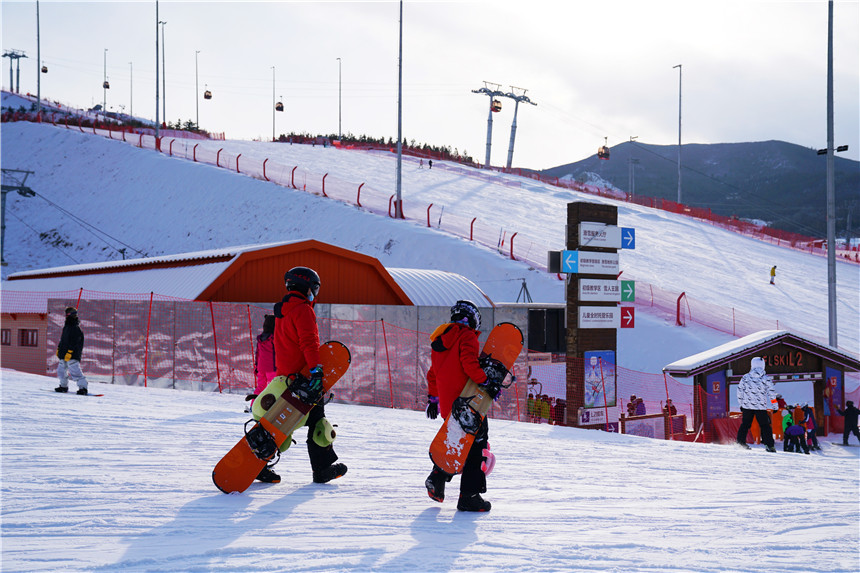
<point x="157" y="122"/>
<point x="196" y="91"/>
<point x="398" y="204"/>
<point x="130" y="90"/>
<point x="163" y="71"/>
<point x="679" y="130"/>
<point x="104" y="88"/>
<point x="274" y="105"/>
<point x="339" y="132"/>
<point x="38" y="67"/>
<point x="831" y="189"/>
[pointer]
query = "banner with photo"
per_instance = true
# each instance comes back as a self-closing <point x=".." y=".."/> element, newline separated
<point x="599" y="377"/>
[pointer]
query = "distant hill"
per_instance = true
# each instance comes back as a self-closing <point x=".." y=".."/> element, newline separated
<point x="781" y="183"/>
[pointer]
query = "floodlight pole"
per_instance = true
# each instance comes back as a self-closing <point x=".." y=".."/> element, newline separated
<point x="492" y="93"/>
<point x="104" y="88"/>
<point x="679" y="130"/>
<point x="273" y="103"/>
<point x="517" y="99"/>
<point x="157" y="119"/>
<point x="38" y="67"/>
<point x="339" y="132"/>
<point x="831" y="189"/>
<point x="163" y="71"/>
<point x="196" y="91"/>
<point x="398" y="205"/>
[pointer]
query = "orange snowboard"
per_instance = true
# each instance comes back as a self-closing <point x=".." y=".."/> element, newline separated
<point x="240" y="466"/>
<point x="454" y="439"/>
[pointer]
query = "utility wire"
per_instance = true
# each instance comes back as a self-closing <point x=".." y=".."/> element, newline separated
<point x="38" y="234"/>
<point x="92" y="229"/>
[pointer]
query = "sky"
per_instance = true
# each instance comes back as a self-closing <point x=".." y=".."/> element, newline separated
<point x="125" y="485"/>
<point x="751" y="70"/>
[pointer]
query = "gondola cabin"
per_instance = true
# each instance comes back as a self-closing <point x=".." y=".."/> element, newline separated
<point x="496" y="105"/>
<point x="207" y="95"/>
<point x="106" y="85"/>
<point x="279" y="106"/>
<point x="603" y="150"/>
<point x="44" y="69"/>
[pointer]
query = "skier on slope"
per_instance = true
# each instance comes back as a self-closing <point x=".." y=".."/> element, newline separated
<point x="297" y="345"/>
<point x="454" y="360"/>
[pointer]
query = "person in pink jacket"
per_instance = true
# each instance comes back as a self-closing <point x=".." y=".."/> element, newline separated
<point x="264" y="361"/>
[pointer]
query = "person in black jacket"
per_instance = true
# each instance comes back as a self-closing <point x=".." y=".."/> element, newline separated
<point x="851" y="414"/>
<point x="69" y="352"/>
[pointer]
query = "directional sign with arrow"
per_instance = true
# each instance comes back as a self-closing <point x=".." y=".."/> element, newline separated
<point x="628" y="316"/>
<point x="628" y="291"/>
<point x="628" y="238"/>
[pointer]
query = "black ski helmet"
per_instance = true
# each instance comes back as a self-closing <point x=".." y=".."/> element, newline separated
<point x="468" y="310"/>
<point x="302" y="279"/>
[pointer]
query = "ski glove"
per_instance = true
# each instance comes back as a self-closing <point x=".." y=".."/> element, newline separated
<point x="316" y="378"/>
<point x="432" y="407"/>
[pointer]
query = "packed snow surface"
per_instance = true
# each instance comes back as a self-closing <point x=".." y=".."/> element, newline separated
<point x="123" y="483"/>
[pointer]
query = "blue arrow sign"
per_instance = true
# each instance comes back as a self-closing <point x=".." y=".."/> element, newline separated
<point x="570" y="262"/>
<point x="628" y="238"/>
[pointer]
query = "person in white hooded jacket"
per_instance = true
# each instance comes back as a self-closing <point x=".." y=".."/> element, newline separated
<point x="757" y="399"/>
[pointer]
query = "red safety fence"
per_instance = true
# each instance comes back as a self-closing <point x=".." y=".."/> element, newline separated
<point x="152" y="340"/>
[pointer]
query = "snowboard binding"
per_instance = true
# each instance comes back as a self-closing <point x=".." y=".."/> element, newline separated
<point x="496" y="373"/>
<point x="304" y="390"/>
<point x="262" y="443"/>
<point x="465" y="415"/>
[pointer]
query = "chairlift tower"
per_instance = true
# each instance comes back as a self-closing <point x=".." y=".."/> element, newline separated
<point x="15" y="55"/>
<point x="494" y="91"/>
<point x="13" y="180"/>
<point x="517" y="98"/>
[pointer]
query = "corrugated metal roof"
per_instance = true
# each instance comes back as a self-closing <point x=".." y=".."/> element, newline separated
<point x="438" y="288"/>
<point x="181" y="282"/>
<point x="197" y="271"/>
<point x="195" y="257"/>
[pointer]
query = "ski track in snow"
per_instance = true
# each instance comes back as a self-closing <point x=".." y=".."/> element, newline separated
<point x="123" y="483"/>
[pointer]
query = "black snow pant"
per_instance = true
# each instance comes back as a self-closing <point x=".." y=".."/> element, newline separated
<point x="796" y="444"/>
<point x="321" y="457"/>
<point x="849" y="429"/>
<point x="763" y="422"/>
<point x="474" y="480"/>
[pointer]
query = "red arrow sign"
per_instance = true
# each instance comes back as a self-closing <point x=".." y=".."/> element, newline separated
<point x="628" y="316"/>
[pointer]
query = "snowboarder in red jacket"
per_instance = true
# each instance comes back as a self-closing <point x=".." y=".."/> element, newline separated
<point x="454" y="361"/>
<point x="297" y="344"/>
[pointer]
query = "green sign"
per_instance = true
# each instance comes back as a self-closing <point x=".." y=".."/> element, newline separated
<point x="628" y="291"/>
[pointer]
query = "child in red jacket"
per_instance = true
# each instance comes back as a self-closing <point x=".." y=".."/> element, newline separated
<point x="454" y="360"/>
<point x="297" y="345"/>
